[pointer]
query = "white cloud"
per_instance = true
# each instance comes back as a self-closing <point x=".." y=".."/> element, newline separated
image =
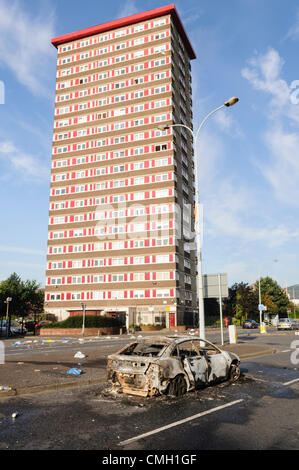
<point x="293" y="32"/>
<point x="128" y="8"/>
<point x="189" y="15"/>
<point x="26" y="166"/>
<point x="281" y="168"/>
<point x="224" y="119"/>
<point x="282" y="171"/>
<point x="264" y="74"/>
<point x="25" y="46"/>
<point x="232" y="211"/>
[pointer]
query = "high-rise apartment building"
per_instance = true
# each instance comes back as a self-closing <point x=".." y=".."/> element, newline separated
<point x="118" y="234"/>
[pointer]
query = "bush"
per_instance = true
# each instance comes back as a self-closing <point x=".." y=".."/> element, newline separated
<point x="136" y="327"/>
<point x="212" y="320"/>
<point x="91" y="321"/>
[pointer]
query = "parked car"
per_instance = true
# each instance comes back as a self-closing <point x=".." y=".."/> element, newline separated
<point x="250" y="324"/>
<point x="15" y="328"/>
<point x="169" y="365"/>
<point x="30" y="325"/>
<point x="42" y="323"/>
<point x="287" y="324"/>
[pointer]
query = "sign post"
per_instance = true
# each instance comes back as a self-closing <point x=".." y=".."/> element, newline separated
<point x="262" y="324"/>
<point x="220" y="305"/>
<point x="216" y="286"/>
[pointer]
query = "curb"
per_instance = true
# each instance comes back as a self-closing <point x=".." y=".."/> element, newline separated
<point x="259" y="354"/>
<point x="16" y="392"/>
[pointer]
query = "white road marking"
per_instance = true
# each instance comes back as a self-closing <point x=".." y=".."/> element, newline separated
<point x="291" y="382"/>
<point x="256" y="379"/>
<point x="177" y="423"/>
<point x="286" y="350"/>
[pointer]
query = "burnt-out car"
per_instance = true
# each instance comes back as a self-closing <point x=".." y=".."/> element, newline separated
<point x="170" y="365"/>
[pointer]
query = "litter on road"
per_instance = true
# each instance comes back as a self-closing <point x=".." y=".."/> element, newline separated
<point x="5" y="388"/>
<point x="79" y="355"/>
<point x="74" y="371"/>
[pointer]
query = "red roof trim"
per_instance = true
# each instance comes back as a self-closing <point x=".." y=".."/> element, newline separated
<point x="147" y="15"/>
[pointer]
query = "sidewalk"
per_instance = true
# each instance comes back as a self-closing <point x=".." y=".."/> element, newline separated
<point x="48" y="371"/>
<point x="248" y="350"/>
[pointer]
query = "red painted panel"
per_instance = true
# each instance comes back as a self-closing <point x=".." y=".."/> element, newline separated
<point x="169" y="9"/>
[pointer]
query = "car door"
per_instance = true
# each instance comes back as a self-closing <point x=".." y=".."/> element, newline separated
<point x="217" y="363"/>
<point x="195" y="364"/>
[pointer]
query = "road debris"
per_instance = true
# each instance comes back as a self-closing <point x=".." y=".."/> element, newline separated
<point x="79" y="355"/>
<point x="15" y="415"/>
<point x="74" y="371"/>
<point x="5" y="388"/>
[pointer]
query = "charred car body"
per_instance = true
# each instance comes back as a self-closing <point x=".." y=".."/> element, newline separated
<point x="169" y="365"/>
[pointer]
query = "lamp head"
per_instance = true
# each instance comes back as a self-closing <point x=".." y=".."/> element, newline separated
<point x="231" y="101"/>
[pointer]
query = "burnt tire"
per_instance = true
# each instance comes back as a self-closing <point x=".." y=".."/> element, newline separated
<point x="177" y="386"/>
<point x="234" y="373"/>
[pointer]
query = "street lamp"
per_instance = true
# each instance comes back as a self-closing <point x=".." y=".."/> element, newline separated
<point x="9" y="299"/>
<point x="83" y="324"/>
<point x="228" y="103"/>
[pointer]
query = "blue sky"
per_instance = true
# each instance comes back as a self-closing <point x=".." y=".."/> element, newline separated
<point x="249" y="154"/>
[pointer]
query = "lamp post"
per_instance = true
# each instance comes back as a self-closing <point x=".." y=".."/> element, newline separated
<point x="83" y="323"/>
<point x="9" y="299"/>
<point x="230" y="102"/>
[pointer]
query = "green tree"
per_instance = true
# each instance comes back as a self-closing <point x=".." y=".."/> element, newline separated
<point x="27" y="296"/>
<point x="246" y="302"/>
<point x="242" y="302"/>
<point x="230" y="301"/>
<point x="271" y="291"/>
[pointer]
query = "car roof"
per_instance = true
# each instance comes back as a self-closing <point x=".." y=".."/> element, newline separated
<point x="171" y="339"/>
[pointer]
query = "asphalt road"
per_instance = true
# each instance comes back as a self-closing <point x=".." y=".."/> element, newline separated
<point x="261" y="411"/>
<point x="39" y="346"/>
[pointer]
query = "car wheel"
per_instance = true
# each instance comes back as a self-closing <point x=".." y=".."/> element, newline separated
<point x="177" y="386"/>
<point x="234" y="373"/>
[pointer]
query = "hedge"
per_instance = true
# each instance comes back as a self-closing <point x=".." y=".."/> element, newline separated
<point x="91" y="321"/>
